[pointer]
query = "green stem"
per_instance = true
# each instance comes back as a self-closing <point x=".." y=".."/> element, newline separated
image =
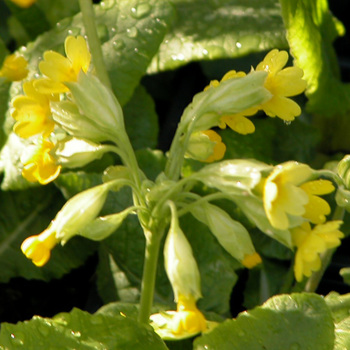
<point x="149" y="275"/>
<point x="88" y="13"/>
<point x="326" y="257"/>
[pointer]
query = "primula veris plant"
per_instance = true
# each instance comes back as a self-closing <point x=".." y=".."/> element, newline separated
<point x="195" y="214"/>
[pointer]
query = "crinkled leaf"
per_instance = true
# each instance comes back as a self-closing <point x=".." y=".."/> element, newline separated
<point x="311" y="29"/>
<point x="342" y="335"/>
<point x="296" y="321"/>
<point x="219" y="29"/>
<point x="339" y="305"/>
<point x="26" y="213"/>
<point x="80" y="330"/>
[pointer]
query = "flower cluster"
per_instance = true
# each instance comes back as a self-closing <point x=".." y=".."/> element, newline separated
<point x="280" y="82"/>
<point x="292" y="201"/>
<point x="32" y="111"/>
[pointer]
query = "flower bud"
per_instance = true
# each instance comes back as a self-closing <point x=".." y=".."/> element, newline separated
<point x="205" y="146"/>
<point x="180" y="264"/>
<point x="231" y="234"/>
<point x="344" y="170"/>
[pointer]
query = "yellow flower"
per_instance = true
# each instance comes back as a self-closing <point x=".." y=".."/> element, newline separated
<point x="59" y="69"/>
<point x="251" y="260"/>
<point x="188" y="319"/>
<point x="32" y="112"/>
<point x="14" y="68"/>
<point x="317" y="208"/>
<point x="282" y="83"/>
<point x="219" y="148"/>
<point x="24" y="3"/>
<point x="38" y="248"/>
<point x="310" y="243"/>
<point x="287" y="192"/>
<point x="40" y="165"/>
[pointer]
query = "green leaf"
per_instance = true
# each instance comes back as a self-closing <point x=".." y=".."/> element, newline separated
<point x="219" y="29"/>
<point x="342" y="335"/>
<point x="26" y="213"/>
<point x="141" y="120"/>
<point x="345" y="273"/>
<point x="339" y="305"/>
<point x="296" y="321"/>
<point x="311" y="29"/>
<point x="80" y="330"/>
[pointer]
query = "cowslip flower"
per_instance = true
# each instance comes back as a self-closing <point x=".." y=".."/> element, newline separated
<point x="185" y="322"/>
<point x="237" y="122"/>
<point x="24" y="3"/>
<point x="39" y="165"/>
<point x="32" y="112"/>
<point x="38" y="248"/>
<point x="286" y="192"/>
<point x="310" y="243"/>
<point x="78" y="212"/>
<point x="282" y="83"/>
<point x="14" y="68"/>
<point x="59" y="69"/>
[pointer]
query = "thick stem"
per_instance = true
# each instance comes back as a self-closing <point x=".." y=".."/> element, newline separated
<point x="88" y="13"/>
<point x="149" y="275"/>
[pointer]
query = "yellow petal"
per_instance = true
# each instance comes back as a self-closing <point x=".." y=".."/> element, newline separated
<point x="240" y="124"/>
<point x="78" y="53"/>
<point x="57" y="67"/>
<point x="282" y="107"/>
<point x="318" y="187"/>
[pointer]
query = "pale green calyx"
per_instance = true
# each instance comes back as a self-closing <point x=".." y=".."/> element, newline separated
<point x="180" y="264"/>
<point x="231" y="234"/>
<point x="72" y="152"/>
<point x="79" y="211"/>
<point x="233" y="176"/>
<point x="66" y="114"/>
<point x="230" y="97"/>
<point x="104" y="226"/>
<point x="99" y="105"/>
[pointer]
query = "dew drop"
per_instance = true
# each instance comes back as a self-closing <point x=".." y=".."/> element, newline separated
<point x="118" y="44"/>
<point x="74" y="31"/>
<point x="238" y="45"/>
<point x="141" y="10"/>
<point x="16" y="340"/>
<point x="105" y="5"/>
<point x="64" y="23"/>
<point x="287" y="122"/>
<point x="76" y="334"/>
<point x="131" y="32"/>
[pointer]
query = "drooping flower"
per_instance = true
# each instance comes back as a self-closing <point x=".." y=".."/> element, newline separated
<point x="310" y="243"/>
<point x="59" y="69"/>
<point x="39" y="165"/>
<point x="78" y="212"/>
<point x="38" y="248"/>
<point x="32" y="112"/>
<point x="24" y="3"/>
<point x="14" y="68"/>
<point x="237" y="122"/>
<point x="288" y="193"/>
<point x="185" y="322"/>
<point x="282" y="83"/>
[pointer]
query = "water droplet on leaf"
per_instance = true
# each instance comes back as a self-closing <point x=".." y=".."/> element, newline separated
<point x="118" y="44"/>
<point x="131" y="32"/>
<point x="141" y="10"/>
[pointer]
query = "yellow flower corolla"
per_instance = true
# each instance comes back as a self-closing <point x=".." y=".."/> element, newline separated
<point x="310" y="243"/>
<point x="188" y="319"/>
<point x="24" y="3"/>
<point x="251" y="260"/>
<point x="317" y="208"/>
<point x="219" y="148"/>
<point x="282" y="83"/>
<point x="38" y="248"/>
<point x="59" y="69"/>
<point x="40" y="166"/>
<point x="14" y="68"/>
<point x="32" y="112"/>
<point x="287" y="192"/>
